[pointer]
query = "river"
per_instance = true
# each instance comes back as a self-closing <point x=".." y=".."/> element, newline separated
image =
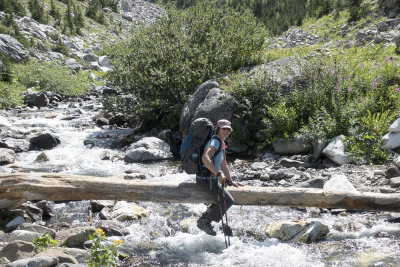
<point x="169" y="236"/>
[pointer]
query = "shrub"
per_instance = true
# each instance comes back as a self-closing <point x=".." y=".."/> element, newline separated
<point x="51" y="77"/>
<point x="162" y="64"/>
<point x="11" y="95"/>
<point x="100" y="255"/>
<point x="45" y="241"/>
<point x="364" y="145"/>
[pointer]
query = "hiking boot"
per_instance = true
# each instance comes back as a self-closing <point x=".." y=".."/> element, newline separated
<point x="205" y="224"/>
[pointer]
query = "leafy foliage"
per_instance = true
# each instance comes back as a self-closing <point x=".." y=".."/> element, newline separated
<point x="51" y="77"/>
<point x="45" y="241"/>
<point x="12" y="7"/>
<point x="162" y="64"/>
<point x="355" y="93"/>
<point x="11" y="95"/>
<point x="101" y="255"/>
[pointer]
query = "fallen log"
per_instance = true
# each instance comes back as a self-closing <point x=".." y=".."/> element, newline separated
<point x="66" y="187"/>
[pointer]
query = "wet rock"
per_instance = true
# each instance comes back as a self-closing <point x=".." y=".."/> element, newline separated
<point x="42" y="157"/>
<point x="7" y="156"/>
<point x="148" y="148"/>
<point x="393" y="171"/>
<point x="59" y="254"/>
<point x="289" y="147"/>
<point x="35" y="262"/>
<point x="339" y="182"/>
<point x="98" y="205"/>
<point x="394" y="182"/>
<point x="17" y="250"/>
<point x="124" y="211"/>
<point x="297" y="231"/>
<point x="105" y="155"/>
<point x="36" y="99"/>
<point x="132" y="176"/>
<point x="112" y="228"/>
<point x="335" y="151"/>
<point x="17" y="145"/>
<point x="37" y="228"/>
<point x="44" y="141"/>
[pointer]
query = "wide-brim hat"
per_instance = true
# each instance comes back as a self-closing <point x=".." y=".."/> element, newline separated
<point x="224" y="124"/>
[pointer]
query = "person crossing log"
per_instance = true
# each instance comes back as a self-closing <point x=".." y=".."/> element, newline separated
<point x="67" y="187"/>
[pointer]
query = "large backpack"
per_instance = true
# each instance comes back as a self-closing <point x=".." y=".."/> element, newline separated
<point x="200" y="132"/>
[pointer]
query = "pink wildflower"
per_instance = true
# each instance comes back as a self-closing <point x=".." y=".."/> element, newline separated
<point x="397" y="90"/>
<point x="350" y="89"/>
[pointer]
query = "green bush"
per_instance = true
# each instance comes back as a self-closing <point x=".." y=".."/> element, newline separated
<point x="51" y="77"/>
<point x="11" y="95"/>
<point x="364" y="145"/>
<point x="45" y="241"/>
<point x="162" y="64"/>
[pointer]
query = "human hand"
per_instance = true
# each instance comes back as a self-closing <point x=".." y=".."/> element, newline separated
<point x="236" y="184"/>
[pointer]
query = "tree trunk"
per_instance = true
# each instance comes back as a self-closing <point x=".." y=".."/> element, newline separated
<point x="65" y="187"/>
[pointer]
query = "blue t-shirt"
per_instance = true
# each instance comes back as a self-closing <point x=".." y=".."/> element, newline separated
<point x="217" y="160"/>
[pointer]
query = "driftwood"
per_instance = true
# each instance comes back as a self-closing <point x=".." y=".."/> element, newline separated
<point x="66" y="187"/>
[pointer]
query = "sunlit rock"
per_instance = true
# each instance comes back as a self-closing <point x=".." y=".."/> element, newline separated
<point x="23" y="235"/>
<point x="335" y="151"/>
<point x="297" y="231"/>
<point x="339" y="182"/>
<point x="124" y="211"/>
<point x="148" y="148"/>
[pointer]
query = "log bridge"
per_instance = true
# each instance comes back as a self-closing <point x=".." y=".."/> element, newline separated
<point x="66" y="187"/>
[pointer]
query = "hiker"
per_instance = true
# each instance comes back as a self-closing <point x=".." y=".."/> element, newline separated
<point x="218" y="166"/>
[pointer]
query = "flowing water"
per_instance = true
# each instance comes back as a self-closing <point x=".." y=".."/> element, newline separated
<point x="169" y="236"/>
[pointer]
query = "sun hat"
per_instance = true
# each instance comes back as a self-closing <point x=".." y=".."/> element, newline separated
<point x="224" y="124"/>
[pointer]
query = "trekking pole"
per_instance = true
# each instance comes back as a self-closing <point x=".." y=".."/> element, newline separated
<point x="226" y="217"/>
<point x="222" y="217"/>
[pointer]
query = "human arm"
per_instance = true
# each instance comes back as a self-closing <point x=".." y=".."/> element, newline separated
<point x="225" y="170"/>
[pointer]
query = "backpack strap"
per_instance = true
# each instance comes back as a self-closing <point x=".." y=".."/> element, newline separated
<point x="219" y="148"/>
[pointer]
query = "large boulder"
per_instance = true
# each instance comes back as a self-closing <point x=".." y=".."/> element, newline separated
<point x="18" y="249"/>
<point x="36" y="99"/>
<point x="335" y="151"/>
<point x="392" y="139"/>
<point x="290" y="147"/>
<point x="44" y="141"/>
<point x="12" y="48"/>
<point x="190" y="107"/>
<point x="297" y="231"/>
<point x="148" y="148"/>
